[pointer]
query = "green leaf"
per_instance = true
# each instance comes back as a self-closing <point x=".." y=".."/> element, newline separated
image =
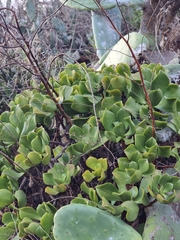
<point x="160" y="124"/>
<point x="29" y="124"/>
<point x="150" y="143"/>
<point x="106" y="190"/>
<point x="132" y="106"/>
<point x="92" y="81"/>
<point x="92" y="162"/>
<point x="22" y="225"/>
<point x="142" y="197"/>
<point x="8" y="133"/>
<point x="28" y="212"/>
<point x="79" y="147"/>
<point x="173" y="92"/>
<point x="6" y="233"/>
<point x="76" y="132"/>
<point x="136" y="176"/>
<point x="111" y="136"/>
<point x="107" y="119"/>
<point x="60" y="188"/>
<point x="9" y="217"/>
<point x="106" y="82"/>
<point x="103" y="30"/>
<point x="5" y="116"/>
<point x="121" y="53"/>
<point x="118" y="83"/>
<point x="34" y="228"/>
<point x="143" y="165"/>
<point x="17" y="118"/>
<point x="123" y="163"/>
<point x="140" y="142"/>
<point x="147" y="74"/>
<point x="131" y="126"/>
<point x="93" y="195"/>
<point x="43" y="136"/>
<point x="48" y="179"/>
<point x="160" y="225"/>
<point x="49" y="105"/>
<point x="168" y="187"/>
<point x="161" y="81"/>
<point x="137" y="92"/>
<point x="36" y="144"/>
<point x="167" y="105"/>
<point x="109" y="207"/>
<point x="164" y="179"/>
<point x="20" y="161"/>
<point x="131" y="209"/>
<point x="47" y="222"/>
<point x="85" y="188"/>
<point x="81" y="104"/>
<point x="51" y="191"/>
<point x="4" y="182"/>
<point x="164" y="151"/>
<point x="24" y="142"/>
<point x="155" y="96"/>
<point x="36" y="101"/>
<point x="47" y="156"/>
<point x="119" y="129"/>
<point x="131" y="149"/>
<point x="88" y="176"/>
<point x="80" y="200"/>
<point x="123" y="69"/>
<point x="12" y="174"/>
<point x="88" y="218"/>
<point x="21" y="198"/>
<point x="34" y="158"/>
<point x="6" y="198"/>
<point x="67" y="91"/>
<point x="121" y="177"/>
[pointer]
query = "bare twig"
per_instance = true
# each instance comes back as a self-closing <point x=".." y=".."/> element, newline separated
<point x="25" y="45"/>
<point x="138" y="66"/>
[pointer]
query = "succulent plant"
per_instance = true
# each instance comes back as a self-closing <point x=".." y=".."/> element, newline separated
<point x="79" y="222"/>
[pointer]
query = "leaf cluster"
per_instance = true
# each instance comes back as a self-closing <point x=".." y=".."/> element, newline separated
<point x="102" y="109"/>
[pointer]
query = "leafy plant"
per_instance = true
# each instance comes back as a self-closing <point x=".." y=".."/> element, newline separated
<point x="114" y="109"/>
<point x="103" y="134"/>
<point x="105" y="107"/>
<point x="59" y="177"/>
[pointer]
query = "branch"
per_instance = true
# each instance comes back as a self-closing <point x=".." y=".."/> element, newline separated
<point x="138" y="66"/>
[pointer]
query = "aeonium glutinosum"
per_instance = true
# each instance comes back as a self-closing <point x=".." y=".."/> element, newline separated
<point x="108" y="110"/>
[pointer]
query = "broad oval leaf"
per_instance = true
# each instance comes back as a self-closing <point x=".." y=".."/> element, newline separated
<point x="8" y="133"/>
<point x="88" y="218"/>
<point x="107" y="119"/>
<point x="6" y="198"/>
<point x="155" y="96"/>
<point x="34" y="158"/>
<point x="161" y="81"/>
<point x="28" y="212"/>
<point x="21" y="198"/>
<point x="106" y="190"/>
<point x="49" y="105"/>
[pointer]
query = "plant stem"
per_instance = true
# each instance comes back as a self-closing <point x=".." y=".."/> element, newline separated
<point x="138" y="66"/>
